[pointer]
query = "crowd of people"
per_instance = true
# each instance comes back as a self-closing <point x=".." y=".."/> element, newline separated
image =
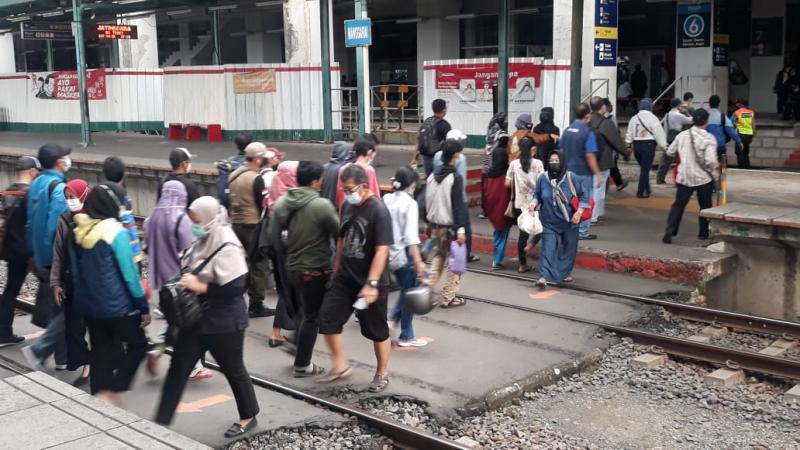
<point x="322" y="235"/>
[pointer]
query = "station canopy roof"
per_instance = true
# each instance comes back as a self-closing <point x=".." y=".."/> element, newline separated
<point x="12" y="12"/>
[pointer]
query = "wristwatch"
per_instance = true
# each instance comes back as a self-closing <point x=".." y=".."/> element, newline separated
<point x="372" y="283"/>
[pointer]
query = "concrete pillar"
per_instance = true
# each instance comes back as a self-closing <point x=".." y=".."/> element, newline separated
<point x="598" y="78"/>
<point x="7" y="61"/>
<point x="437" y="37"/>
<point x="568" y="39"/>
<point x="184" y="47"/>
<point x="273" y="38"/>
<point x="694" y="66"/>
<point x="254" y="40"/>
<point x="141" y="53"/>
<point x="301" y="29"/>
<point x="762" y="78"/>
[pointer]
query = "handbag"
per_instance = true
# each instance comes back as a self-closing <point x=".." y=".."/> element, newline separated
<point x="181" y="307"/>
<point x="575" y="202"/>
<point x="529" y="223"/>
<point x="510" y="207"/>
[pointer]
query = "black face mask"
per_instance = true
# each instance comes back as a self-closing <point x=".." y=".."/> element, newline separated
<point x="554" y="169"/>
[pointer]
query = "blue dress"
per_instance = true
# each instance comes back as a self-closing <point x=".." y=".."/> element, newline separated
<point x="559" y="245"/>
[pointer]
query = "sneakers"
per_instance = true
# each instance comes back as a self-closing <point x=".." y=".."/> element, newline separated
<point x="412" y="343"/>
<point x="33" y="361"/>
<point x="588" y="237"/>
<point x="11" y="340"/>
<point x="61" y="367"/>
<point x="260" y="310"/>
<point x="498" y="266"/>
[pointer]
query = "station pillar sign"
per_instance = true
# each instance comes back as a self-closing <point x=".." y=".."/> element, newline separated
<point x="358" y="33"/>
<point x="605" y="33"/>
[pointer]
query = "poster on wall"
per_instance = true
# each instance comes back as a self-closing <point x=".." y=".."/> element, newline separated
<point x="694" y="25"/>
<point x="767" y="36"/>
<point x="258" y="82"/>
<point x="63" y="85"/>
<point x="469" y="87"/>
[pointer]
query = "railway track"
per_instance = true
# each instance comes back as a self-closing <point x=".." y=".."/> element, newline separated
<point x="404" y="435"/>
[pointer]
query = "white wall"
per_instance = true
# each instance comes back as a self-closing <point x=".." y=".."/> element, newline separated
<point x="141" y="53"/>
<point x="437" y="39"/>
<point x="7" y="60"/>
<point x="301" y="29"/>
<point x="761" y="81"/>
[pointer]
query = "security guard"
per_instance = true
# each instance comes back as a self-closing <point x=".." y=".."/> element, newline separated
<point x="744" y="121"/>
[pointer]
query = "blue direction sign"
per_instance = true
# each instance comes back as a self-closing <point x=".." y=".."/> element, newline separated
<point x="694" y="25"/>
<point x="357" y="33"/>
<point x="605" y="13"/>
<point x="605" y="52"/>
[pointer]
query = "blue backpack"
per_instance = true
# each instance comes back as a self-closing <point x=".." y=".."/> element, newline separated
<point x="224" y="170"/>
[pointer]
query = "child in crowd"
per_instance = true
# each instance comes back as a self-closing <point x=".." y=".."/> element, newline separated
<point x="456" y="266"/>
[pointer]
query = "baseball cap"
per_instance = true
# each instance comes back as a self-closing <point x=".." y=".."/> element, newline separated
<point x="255" y="150"/>
<point x="457" y="135"/>
<point x="27" y="163"/>
<point x="50" y="153"/>
<point x="273" y="152"/>
<point x="179" y="155"/>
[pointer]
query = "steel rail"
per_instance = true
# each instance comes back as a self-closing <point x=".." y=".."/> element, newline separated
<point x="732" y="358"/>
<point x="408" y="436"/>
<point x="695" y="313"/>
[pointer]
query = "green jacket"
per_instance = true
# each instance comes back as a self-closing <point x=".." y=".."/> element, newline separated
<point x="312" y="225"/>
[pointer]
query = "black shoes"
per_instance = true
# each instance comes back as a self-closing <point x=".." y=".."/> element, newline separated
<point x="237" y="430"/>
<point x="622" y="186"/>
<point x="11" y="340"/>
<point x="667" y="239"/>
<point x="260" y="310"/>
<point x="588" y="237"/>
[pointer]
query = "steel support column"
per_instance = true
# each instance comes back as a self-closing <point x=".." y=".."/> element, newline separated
<point x="49" y="43"/>
<point x="80" y="51"/>
<point x="327" y="113"/>
<point x="502" y="57"/>
<point x="576" y="55"/>
<point x="216" y="55"/>
<point x="362" y="74"/>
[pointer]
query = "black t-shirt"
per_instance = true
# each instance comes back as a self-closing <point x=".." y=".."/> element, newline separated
<point x="441" y="128"/>
<point x="364" y="227"/>
<point x="192" y="193"/>
<point x="15" y="245"/>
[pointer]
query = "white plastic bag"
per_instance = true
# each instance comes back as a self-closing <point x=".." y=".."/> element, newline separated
<point x="529" y="222"/>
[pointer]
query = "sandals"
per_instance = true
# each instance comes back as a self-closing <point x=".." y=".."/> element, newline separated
<point x="311" y="371"/>
<point x="275" y="342"/>
<point x="379" y="383"/>
<point x="334" y="376"/>
<point x="454" y="303"/>
<point x="569" y="279"/>
<point x="541" y="283"/>
<point x="237" y="430"/>
<point x="201" y="374"/>
<point x="523" y="269"/>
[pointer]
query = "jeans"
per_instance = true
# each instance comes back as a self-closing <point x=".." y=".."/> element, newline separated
<point x="682" y="196"/>
<point x="587" y="182"/>
<point x="645" y="152"/>
<point x="17" y="270"/>
<point x="118" y="346"/>
<point x="427" y="162"/>
<point x="499" y="242"/>
<point x="53" y="341"/>
<point x="311" y="290"/>
<point x="407" y="279"/>
<point x="600" y="196"/>
<point x="228" y="350"/>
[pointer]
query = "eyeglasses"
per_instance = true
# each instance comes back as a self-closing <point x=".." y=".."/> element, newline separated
<point x="353" y="189"/>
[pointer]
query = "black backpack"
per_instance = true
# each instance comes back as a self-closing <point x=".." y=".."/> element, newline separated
<point x="427" y="141"/>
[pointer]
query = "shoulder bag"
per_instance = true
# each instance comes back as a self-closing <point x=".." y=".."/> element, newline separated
<point x="575" y="202"/>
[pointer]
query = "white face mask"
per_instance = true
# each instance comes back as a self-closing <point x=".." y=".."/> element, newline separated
<point x="189" y="167"/>
<point x="67" y="164"/>
<point x="74" y="204"/>
<point x="354" y="198"/>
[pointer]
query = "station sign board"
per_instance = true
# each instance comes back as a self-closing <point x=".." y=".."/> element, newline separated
<point x="606" y="19"/>
<point x="116" y="31"/>
<point x="358" y="33"/>
<point x="54" y="31"/>
<point x="694" y="25"/>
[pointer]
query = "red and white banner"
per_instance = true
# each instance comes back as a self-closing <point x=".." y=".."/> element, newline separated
<point x="63" y="85"/>
<point x="482" y="76"/>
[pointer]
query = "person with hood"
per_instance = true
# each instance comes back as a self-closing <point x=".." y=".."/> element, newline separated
<point x="341" y="154"/>
<point x="62" y="281"/>
<point x="365" y="151"/>
<point x="524" y="125"/>
<point x="311" y="224"/>
<point x="16" y="251"/>
<point x="521" y="177"/>
<point x="610" y="145"/>
<point x="220" y="286"/>
<point x="676" y="120"/>
<point x="405" y="260"/>
<point x="497" y="197"/>
<point x="45" y="204"/>
<point x="496" y="137"/>
<point x="109" y="293"/>
<point x="555" y="190"/>
<point x="445" y="212"/>
<point x="645" y="134"/>
<point x="546" y="134"/>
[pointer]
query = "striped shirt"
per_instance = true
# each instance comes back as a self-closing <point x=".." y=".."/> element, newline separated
<point x="692" y="171"/>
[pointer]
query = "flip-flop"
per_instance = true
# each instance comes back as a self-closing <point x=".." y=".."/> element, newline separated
<point x="202" y="374"/>
<point x="454" y="303"/>
<point x="334" y="376"/>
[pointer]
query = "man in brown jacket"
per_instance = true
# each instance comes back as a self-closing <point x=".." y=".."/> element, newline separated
<point x="246" y="196"/>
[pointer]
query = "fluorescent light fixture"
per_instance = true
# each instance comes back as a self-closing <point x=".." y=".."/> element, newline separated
<point x="270" y="3"/>
<point x="460" y="16"/>
<point x="410" y="20"/>
<point x="18" y="18"/>
<point x="179" y="12"/>
<point x="222" y="7"/>
<point x="128" y="2"/>
<point x="524" y="11"/>
<point x="51" y="14"/>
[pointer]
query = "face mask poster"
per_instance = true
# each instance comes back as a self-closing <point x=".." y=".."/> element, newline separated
<point x="63" y="85"/>
<point x="470" y="87"/>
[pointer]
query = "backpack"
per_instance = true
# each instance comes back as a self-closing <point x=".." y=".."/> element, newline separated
<point x="9" y="202"/>
<point x="427" y="141"/>
<point x="224" y="170"/>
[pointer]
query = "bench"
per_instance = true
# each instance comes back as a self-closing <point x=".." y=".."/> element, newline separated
<point x="194" y="132"/>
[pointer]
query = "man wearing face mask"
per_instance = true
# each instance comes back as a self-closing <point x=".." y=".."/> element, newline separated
<point x="246" y="189"/>
<point x="46" y="202"/>
<point x="364" y="148"/>
<point x="181" y="161"/>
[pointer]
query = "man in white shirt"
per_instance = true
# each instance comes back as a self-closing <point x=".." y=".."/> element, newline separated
<point x="676" y="120"/>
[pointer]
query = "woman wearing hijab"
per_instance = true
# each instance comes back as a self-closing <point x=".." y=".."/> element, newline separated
<point x="545" y="134"/>
<point x="220" y="286"/>
<point x="553" y="198"/>
<point x="521" y="177"/>
<point x="61" y="273"/>
<point x="496" y="131"/>
<point x="109" y="293"/>
<point x="168" y="232"/>
<point x="497" y="197"/>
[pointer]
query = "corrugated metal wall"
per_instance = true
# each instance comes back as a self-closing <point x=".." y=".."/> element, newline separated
<point x="553" y="91"/>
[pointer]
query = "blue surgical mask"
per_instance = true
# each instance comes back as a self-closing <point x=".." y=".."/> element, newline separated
<point x="198" y="231"/>
<point x="354" y="198"/>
